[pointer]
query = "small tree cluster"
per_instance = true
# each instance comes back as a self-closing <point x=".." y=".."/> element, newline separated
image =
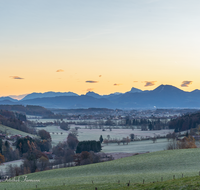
<point x="88" y="146"/>
<point x="7" y="151"/>
<point x="63" y="153"/>
<point x="185" y="143"/>
<point x="44" y="135"/>
<point x="64" y="126"/>
<point x="72" y="141"/>
<point x="86" y="158"/>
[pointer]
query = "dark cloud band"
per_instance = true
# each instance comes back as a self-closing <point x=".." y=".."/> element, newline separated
<point x="91" y="81"/>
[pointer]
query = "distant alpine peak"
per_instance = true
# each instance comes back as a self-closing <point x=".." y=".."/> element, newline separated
<point x="93" y="94"/>
<point x="90" y="92"/>
<point x="196" y="90"/>
<point x="168" y="88"/>
<point x="133" y="90"/>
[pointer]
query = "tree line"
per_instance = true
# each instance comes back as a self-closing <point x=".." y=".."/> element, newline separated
<point x="147" y="124"/>
<point x="185" y="122"/>
<point x="28" y="110"/>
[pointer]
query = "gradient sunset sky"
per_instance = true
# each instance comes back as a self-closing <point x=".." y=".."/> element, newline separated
<point x="103" y="46"/>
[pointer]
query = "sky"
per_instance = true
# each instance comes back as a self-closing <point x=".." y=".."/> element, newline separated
<point x="98" y="45"/>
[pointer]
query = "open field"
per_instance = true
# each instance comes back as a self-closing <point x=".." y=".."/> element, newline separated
<point x="11" y="131"/>
<point x="136" y="146"/>
<point x="150" y="167"/>
<point x="94" y="134"/>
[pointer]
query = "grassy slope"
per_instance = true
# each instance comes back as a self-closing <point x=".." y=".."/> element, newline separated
<point x="12" y="131"/>
<point x="187" y="183"/>
<point x="150" y="167"/>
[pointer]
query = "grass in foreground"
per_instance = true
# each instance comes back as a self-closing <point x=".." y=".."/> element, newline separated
<point x="187" y="183"/>
<point x="151" y="167"/>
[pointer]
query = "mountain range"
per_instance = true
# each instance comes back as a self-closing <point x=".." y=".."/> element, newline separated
<point x="164" y="96"/>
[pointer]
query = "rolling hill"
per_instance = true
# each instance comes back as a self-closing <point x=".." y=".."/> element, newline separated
<point x="150" y="167"/>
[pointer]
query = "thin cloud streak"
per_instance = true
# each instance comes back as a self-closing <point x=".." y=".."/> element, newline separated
<point x="90" y="89"/>
<point x="117" y="84"/>
<point x="91" y="81"/>
<point x="16" y="77"/>
<point x="186" y="83"/>
<point x="59" y="70"/>
<point x="150" y="83"/>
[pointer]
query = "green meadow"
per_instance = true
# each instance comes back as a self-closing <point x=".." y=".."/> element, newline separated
<point x="149" y="167"/>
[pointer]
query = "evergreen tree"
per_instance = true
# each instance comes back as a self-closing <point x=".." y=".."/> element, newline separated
<point x="150" y="126"/>
<point x="88" y="146"/>
<point x="101" y="139"/>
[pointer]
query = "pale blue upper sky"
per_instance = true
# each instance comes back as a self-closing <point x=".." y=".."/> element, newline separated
<point x="156" y="36"/>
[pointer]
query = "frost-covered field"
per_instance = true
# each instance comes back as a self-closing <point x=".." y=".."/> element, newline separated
<point x="6" y="164"/>
<point x="151" y="167"/>
<point x="136" y="147"/>
<point x="94" y="134"/>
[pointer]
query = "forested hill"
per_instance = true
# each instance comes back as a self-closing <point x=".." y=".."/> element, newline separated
<point x="15" y="120"/>
<point x="28" y="110"/>
<point x="12" y="115"/>
<point x="185" y="122"/>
